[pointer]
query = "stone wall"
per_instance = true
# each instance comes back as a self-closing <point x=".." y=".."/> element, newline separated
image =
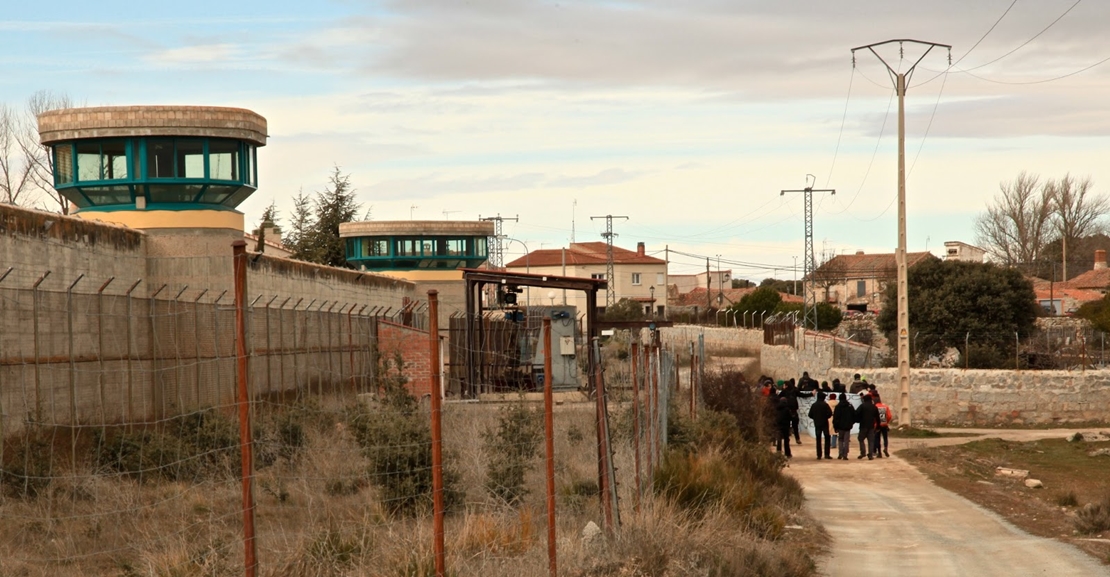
<point x="722" y="341"/>
<point x="961" y="397"/>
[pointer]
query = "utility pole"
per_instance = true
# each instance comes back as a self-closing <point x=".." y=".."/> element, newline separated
<point x="809" y="316"/>
<point x="900" y="81"/>
<point x="708" y="290"/>
<point x="610" y="292"/>
<point x="496" y="250"/>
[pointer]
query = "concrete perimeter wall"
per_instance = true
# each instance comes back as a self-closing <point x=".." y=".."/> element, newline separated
<point x="68" y="353"/>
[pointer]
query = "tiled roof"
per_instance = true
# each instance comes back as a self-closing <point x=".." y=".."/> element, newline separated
<point x="1098" y="279"/>
<point x="853" y="266"/>
<point x="1059" y="292"/>
<point x="582" y="253"/>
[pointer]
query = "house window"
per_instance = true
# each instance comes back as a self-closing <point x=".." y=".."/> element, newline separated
<point x="635" y="279"/>
<point x="597" y="276"/>
<point x="861" y="288"/>
<point x="660" y="278"/>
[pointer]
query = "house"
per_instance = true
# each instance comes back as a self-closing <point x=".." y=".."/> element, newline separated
<point x="857" y="281"/>
<point x="637" y="276"/>
<point x="715" y="279"/>
<point x="1096" y="279"/>
<point x="956" y="250"/>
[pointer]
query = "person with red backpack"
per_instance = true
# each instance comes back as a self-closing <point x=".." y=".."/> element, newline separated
<point x="882" y="428"/>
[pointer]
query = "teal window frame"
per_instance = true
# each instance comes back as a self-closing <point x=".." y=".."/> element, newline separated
<point x="228" y="193"/>
<point x="428" y="252"/>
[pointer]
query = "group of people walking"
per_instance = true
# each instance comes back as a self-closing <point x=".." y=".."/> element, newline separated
<point x="833" y="416"/>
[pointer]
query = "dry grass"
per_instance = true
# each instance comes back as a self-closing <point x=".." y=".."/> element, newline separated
<point x="317" y="514"/>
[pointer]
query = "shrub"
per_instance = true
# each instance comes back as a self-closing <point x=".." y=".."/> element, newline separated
<point x="1094" y="517"/>
<point x="396" y="438"/>
<point x="194" y="446"/>
<point x="27" y="471"/>
<point x="727" y="391"/>
<point x="512" y="449"/>
<point x="1069" y="499"/>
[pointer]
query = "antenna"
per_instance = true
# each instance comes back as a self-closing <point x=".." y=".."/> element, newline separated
<point x="411" y="209"/>
<point x="447" y="214"/>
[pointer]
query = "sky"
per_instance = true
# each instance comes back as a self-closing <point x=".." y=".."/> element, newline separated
<point x="688" y="118"/>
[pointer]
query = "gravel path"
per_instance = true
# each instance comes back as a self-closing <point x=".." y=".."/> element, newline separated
<point x="887" y="519"/>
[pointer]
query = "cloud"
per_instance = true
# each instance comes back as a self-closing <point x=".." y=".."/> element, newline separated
<point x="437" y="185"/>
<point x="607" y="176"/>
<point x="198" y="54"/>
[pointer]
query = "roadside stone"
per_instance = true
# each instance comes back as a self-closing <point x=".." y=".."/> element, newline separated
<point x="1034" y="484"/>
<point x="1075" y="437"/>
<point x="591" y="534"/>
<point x="1099" y="453"/>
<point x="1007" y="472"/>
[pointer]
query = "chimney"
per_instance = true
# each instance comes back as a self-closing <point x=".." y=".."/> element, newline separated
<point x="640" y="252"/>
<point x="859" y="253"/>
<point x="1100" y="259"/>
<point x="273" y="233"/>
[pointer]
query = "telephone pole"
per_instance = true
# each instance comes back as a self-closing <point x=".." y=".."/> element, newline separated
<point x="496" y="250"/>
<point x="610" y="292"/>
<point x="809" y="264"/>
<point x="901" y="79"/>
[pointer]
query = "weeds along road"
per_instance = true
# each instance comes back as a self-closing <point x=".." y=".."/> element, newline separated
<point x="887" y="519"/>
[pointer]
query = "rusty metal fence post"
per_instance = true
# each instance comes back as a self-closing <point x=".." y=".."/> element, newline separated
<point x="549" y="441"/>
<point x="437" y="436"/>
<point x="239" y="249"/>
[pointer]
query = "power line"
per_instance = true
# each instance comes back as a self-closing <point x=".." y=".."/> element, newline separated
<point x="1046" y="80"/>
<point x="1023" y="44"/>
<point x="974" y="46"/>
<point x="874" y="153"/>
<point x="843" y="119"/>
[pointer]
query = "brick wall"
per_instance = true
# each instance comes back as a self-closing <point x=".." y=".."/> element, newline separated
<point x="413" y="347"/>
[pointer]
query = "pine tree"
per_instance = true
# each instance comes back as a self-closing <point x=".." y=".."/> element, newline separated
<point x="334" y="205"/>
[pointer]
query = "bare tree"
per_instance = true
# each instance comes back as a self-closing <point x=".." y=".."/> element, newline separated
<point x="17" y="185"/>
<point x="39" y="157"/>
<point x="26" y="166"/>
<point x="830" y="273"/>
<point x="1077" y="212"/>
<point x="1016" y="227"/>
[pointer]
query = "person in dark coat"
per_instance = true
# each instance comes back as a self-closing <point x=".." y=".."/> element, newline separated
<point x="868" y="418"/>
<point x="791" y="393"/>
<point x="838" y="387"/>
<point x="844" y="417"/>
<point x="820" y="413"/>
<point x="858" y="384"/>
<point x="782" y="426"/>
<point x="807" y="383"/>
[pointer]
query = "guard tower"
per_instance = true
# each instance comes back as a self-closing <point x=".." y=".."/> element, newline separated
<point x="155" y="167"/>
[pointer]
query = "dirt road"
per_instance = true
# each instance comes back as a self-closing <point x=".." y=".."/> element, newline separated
<point x="887" y="519"/>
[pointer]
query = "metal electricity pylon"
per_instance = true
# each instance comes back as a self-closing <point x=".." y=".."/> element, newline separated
<point x="900" y="80"/>
<point x="610" y="292"/>
<point x="809" y="263"/>
<point x="496" y="251"/>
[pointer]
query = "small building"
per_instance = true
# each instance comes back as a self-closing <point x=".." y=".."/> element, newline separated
<point x="857" y="281"/>
<point x="1096" y="279"/>
<point x="715" y="280"/>
<point x="956" y="250"/>
<point x="637" y="275"/>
